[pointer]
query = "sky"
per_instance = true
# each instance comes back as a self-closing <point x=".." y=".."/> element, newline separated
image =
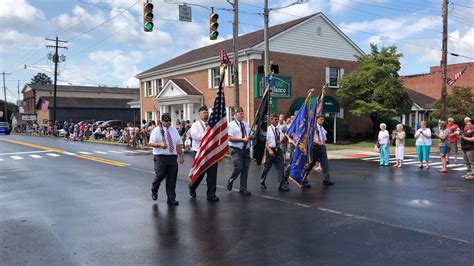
<point x="107" y="45"/>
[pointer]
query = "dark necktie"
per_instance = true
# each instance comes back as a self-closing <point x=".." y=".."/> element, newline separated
<point x="170" y="141"/>
<point x="244" y="133"/>
<point x="277" y="137"/>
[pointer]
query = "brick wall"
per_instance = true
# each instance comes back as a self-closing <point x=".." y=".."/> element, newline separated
<point x="430" y="84"/>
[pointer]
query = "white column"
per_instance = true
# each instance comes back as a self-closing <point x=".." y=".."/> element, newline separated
<point x="190" y="111"/>
<point x="185" y="111"/>
<point x="404" y="119"/>
<point x="173" y="115"/>
<point x="417" y="119"/>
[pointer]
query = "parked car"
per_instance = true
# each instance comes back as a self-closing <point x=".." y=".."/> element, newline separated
<point x="117" y="124"/>
<point x="5" y="128"/>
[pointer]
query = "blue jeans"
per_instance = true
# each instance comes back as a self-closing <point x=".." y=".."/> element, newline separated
<point x="384" y="153"/>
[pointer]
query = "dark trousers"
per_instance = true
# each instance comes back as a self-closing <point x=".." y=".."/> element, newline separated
<point x="279" y="162"/>
<point x="320" y="155"/>
<point x="166" y="166"/>
<point x="211" y="180"/>
<point x="241" y="160"/>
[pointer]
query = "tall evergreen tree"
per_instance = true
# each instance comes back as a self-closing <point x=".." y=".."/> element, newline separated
<point x="41" y="78"/>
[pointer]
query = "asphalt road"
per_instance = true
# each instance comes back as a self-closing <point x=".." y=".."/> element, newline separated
<point x="75" y="203"/>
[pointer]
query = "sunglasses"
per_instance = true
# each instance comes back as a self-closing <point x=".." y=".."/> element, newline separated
<point x="166" y="121"/>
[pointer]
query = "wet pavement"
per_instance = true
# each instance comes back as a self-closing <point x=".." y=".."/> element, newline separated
<point x="90" y="204"/>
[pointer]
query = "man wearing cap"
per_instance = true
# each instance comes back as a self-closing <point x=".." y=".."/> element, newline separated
<point x="319" y="153"/>
<point x="275" y="154"/>
<point x="197" y="133"/>
<point x="167" y="148"/>
<point x="239" y="142"/>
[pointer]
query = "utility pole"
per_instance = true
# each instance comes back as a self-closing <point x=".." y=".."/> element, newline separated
<point x="5" y="95"/>
<point x="265" y="38"/>
<point x="444" y="63"/>
<point x="55" y="59"/>
<point x="235" y="29"/>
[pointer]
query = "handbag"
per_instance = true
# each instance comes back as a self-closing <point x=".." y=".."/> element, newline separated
<point x="376" y="148"/>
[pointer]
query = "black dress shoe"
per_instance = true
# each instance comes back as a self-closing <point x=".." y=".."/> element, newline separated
<point x="245" y="192"/>
<point x="154" y="196"/>
<point x="229" y="185"/>
<point x="263" y="186"/>
<point x="192" y="192"/>
<point x="328" y="183"/>
<point x="213" y="199"/>
<point x="172" y="202"/>
<point x="284" y="189"/>
<point x="306" y="185"/>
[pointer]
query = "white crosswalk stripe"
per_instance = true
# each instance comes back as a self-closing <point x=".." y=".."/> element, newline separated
<point x="100" y="152"/>
<point x="16" y="157"/>
<point x="69" y="153"/>
<point x="130" y="151"/>
<point x="53" y="154"/>
<point x="460" y="169"/>
<point x="36" y="156"/>
<point x="85" y="152"/>
<point x="115" y="151"/>
<point x="1" y="159"/>
<point x="412" y="160"/>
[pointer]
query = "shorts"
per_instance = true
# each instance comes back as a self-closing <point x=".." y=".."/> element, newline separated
<point x="453" y="146"/>
<point x="444" y="150"/>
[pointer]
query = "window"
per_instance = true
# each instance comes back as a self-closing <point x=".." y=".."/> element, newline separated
<point x="216" y="78"/>
<point x="148" y="88"/>
<point x="231" y="75"/>
<point x="334" y="77"/>
<point x="159" y="85"/>
<point x="149" y="116"/>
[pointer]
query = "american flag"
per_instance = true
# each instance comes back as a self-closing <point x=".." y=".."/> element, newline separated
<point x="214" y="143"/>
<point x="450" y="81"/>
<point x="44" y="106"/>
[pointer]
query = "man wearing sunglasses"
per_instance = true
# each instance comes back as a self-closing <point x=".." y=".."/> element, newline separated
<point x="167" y="148"/>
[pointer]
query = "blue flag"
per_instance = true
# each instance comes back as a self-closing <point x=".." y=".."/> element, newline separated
<point x="300" y="134"/>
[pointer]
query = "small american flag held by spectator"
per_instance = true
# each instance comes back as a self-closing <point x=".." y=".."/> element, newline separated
<point x="450" y="81"/>
<point x="214" y="143"/>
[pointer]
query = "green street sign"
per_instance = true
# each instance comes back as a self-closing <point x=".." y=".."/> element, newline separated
<point x="280" y="86"/>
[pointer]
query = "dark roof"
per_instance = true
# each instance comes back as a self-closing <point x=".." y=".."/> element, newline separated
<point x="422" y="100"/>
<point x="70" y="102"/>
<point x="186" y="86"/>
<point x="244" y="41"/>
<point x="74" y="88"/>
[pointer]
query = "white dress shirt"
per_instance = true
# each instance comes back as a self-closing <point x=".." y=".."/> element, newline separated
<point x="271" y="136"/>
<point x="156" y="137"/>
<point x="320" y="134"/>
<point x="197" y="133"/>
<point x="234" y="131"/>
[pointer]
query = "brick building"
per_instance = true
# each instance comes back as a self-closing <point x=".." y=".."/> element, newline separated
<point x="310" y="52"/>
<point x="78" y="103"/>
<point x="424" y="89"/>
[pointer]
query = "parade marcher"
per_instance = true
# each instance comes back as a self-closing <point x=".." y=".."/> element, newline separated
<point x="274" y="154"/>
<point x="167" y="148"/>
<point x="423" y="144"/>
<point x="444" y="145"/>
<point x="239" y="142"/>
<point x="197" y="133"/>
<point x="453" y="140"/>
<point x="319" y="153"/>
<point x="283" y="126"/>
<point x="467" y="146"/>
<point x="384" y="141"/>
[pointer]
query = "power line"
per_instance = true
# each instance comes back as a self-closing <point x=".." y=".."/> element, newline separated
<point x="472" y="7"/>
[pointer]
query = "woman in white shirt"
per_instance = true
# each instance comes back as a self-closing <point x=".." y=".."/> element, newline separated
<point x="384" y="141"/>
<point x="423" y="144"/>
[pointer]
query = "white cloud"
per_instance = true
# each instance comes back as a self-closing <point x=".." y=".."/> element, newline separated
<point x="12" y="39"/>
<point x="78" y="22"/>
<point x="18" y="11"/>
<point x="340" y="6"/>
<point x="122" y="66"/>
<point x="296" y="11"/>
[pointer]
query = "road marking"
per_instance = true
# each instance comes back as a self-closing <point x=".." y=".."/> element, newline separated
<point x="84" y="152"/>
<point x="23" y="152"/>
<point x="16" y="157"/>
<point x="102" y="160"/>
<point x="100" y="152"/>
<point x="69" y="153"/>
<point x="130" y="151"/>
<point x="460" y="169"/>
<point x="374" y="220"/>
<point x="36" y="156"/>
<point x="114" y="151"/>
<point x="32" y="145"/>
<point x="1" y="159"/>
<point x="53" y="154"/>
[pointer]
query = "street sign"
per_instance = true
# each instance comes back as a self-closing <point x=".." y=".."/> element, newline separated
<point x="28" y="117"/>
<point x="185" y="13"/>
<point x="280" y="86"/>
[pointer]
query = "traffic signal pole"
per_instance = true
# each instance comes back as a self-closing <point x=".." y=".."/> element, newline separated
<point x="55" y="60"/>
<point x="235" y="29"/>
<point x="5" y="95"/>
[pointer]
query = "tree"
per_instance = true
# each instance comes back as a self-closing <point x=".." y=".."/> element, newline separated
<point x="459" y="104"/>
<point x="375" y="90"/>
<point x="41" y="78"/>
<point x="11" y="108"/>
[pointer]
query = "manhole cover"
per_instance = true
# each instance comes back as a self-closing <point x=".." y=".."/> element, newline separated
<point x="454" y="189"/>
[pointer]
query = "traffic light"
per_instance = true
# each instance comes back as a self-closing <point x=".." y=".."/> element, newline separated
<point x="213" y="25"/>
<point x="147" y="16"/>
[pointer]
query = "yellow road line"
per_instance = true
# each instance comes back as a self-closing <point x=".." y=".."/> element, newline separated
<point x="86" y="157"/>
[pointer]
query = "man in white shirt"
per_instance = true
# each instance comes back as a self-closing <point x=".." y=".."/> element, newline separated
<point x="239" y="142"/>
<point x="283" y="127"/>
<point x="197" y="133"/>
<point x="319" y="153"/>
<point x="274" y="154"/>
<point x="167" y="147"/>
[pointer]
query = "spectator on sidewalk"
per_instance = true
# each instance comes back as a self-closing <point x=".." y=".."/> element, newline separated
<point x="466" y="126"/>
<point x="444" y="146"/>
<point x="423" y="144"/>
<point x="384" y="141"/>
<point x="400" y="137"/>
<point x="467" y="146"/>
<point x="453" y="140"/>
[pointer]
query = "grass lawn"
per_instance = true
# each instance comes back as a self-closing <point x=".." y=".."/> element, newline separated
<point x="370" y="145"/>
